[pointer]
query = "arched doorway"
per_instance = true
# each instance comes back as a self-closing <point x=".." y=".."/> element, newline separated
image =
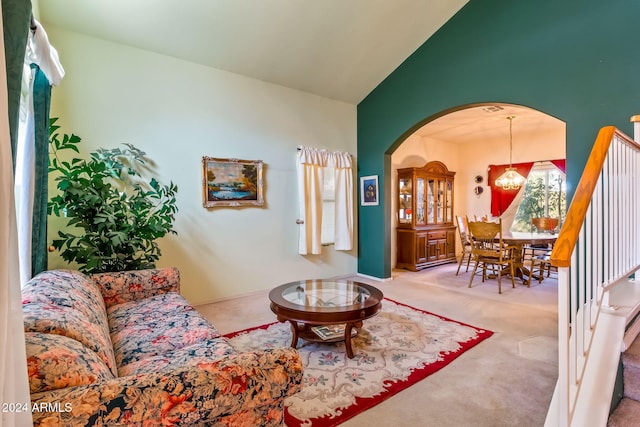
<point x="469" y="138"/>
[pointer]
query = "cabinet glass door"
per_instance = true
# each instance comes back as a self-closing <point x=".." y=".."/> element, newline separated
<point x="449" y="201"/>
<point x="441" y="201"/>
<point x="405" y="202"/>
<point x="431" y="201"/>
<point x="420" y="201"/>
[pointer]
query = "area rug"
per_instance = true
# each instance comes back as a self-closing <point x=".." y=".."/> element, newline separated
<point x="398" y="347"/>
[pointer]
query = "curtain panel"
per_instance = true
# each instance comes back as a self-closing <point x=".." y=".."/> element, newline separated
<point x="16" y="18"/>
<point x="344" y="200"/>
<point x="41" y="105"/>
<point x="310" y="167"/>
<point x="24" y="175"/>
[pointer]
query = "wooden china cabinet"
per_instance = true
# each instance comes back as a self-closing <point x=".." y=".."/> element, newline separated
<point x="426" y="233"/>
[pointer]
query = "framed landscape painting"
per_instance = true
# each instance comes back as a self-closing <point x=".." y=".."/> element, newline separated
<point x="231" y="182"/>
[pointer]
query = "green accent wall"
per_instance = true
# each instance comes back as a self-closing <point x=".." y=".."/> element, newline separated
<point x="577" y="61"/>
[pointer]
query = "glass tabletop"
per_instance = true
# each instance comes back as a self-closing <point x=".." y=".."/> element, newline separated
<point x="324" y="293"/>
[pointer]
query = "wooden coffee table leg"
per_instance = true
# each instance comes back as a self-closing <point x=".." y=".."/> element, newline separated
<point x="347" y="337"/>
<point x="294" y="333"/>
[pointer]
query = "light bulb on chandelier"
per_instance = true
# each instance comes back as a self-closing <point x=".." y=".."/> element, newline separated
<point x="510" y="179"/>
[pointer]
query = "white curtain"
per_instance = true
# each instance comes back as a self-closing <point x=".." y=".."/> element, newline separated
<point x="509" y="215"/>
<point x="24" y="176"/>
<point x="344" y="200"/>
<point x="40" y="52"/>
<point x="13" y="367"/>
<point x="310" y="168"/>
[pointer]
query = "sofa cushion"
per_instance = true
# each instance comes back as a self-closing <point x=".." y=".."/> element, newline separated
<point x="155" y="326"/>
<point x="67" y="288"/>
<point x="66" y="302"/>
<point x="60" y="320"/>
<point x="192" y="355"/>
<point x="56" y="361"/>
<point x="119" y="287"/>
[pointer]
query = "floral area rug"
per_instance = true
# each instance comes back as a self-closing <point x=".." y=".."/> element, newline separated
<point x="398" y="347"/>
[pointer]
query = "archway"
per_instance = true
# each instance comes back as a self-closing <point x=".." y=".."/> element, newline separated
<point x="467" y="139"/>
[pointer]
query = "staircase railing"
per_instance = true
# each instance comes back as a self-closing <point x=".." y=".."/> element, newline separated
<point x="597" y="248"/>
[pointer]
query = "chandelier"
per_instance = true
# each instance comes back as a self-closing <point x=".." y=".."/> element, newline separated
<point x="510" y="179"/>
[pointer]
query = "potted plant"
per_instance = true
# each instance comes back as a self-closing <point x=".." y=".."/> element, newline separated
<point x="114" y="215"/>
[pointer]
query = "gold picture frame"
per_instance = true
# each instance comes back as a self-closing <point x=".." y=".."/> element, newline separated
<point x="231" y="182"/>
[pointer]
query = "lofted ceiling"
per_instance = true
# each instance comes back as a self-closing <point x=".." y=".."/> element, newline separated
<point x="337" y="49"/>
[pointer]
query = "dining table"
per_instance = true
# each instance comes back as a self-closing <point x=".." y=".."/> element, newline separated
<point x="519" y="240"/>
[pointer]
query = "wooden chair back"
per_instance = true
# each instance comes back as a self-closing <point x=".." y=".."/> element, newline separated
<point x="489" y="251"/>
<point x="486" y="238"/>
<point x="545" y="224"/>
<point x="463" y="231"/>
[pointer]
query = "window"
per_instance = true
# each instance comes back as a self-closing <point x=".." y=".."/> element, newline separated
<point x="327" y="234"/>
<point x="544" y="196"/>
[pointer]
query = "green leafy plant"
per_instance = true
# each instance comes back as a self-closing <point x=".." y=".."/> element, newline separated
<point x="118" y="216"/>
<point x="543" y="196"/>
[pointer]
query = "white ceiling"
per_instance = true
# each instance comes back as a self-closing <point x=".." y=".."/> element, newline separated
<point x="489" y="122"/>
<point x="337" y="49"/>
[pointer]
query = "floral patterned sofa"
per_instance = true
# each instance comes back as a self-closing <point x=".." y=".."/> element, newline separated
<point x="127" y="349"/>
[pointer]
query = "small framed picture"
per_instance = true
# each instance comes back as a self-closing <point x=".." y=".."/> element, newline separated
<point x="369" y="190"/>
<point x="231" y="182"/>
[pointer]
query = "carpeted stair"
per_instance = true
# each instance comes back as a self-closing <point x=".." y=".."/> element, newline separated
<point x="627" y="414"/>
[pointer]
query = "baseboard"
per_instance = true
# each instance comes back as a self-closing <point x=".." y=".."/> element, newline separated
<point x="377" y="279"/>
<point x="233" y="297"/>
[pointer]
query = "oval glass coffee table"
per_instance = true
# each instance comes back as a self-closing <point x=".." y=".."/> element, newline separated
<point x="311" y="304"/>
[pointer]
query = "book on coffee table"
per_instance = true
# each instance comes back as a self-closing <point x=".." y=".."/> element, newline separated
<point x="328" y="332"/>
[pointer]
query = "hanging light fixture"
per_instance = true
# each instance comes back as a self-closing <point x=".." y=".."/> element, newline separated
<point x="510" y="179"/>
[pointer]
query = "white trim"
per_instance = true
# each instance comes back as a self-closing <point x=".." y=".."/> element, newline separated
<point x="377" y="279"/>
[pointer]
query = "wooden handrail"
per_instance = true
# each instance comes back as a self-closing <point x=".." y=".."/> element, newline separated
<point x="563" y="248"/>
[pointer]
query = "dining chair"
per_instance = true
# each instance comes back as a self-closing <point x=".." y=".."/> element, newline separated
<point x="540" y="255"/>
<point x="543" y="261"/>
<point x="490" y="252"/>
<point x="465" y="241"/>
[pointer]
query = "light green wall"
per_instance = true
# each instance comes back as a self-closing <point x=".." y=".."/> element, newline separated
<point x="177" y="112"/>
<point x="576" y="61"/>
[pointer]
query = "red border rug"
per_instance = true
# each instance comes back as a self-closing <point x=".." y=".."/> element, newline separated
<point x="394" y="349"/>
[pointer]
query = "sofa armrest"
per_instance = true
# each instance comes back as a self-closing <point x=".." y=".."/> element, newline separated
<point x="241" y="383"/>
<point x="124" y="286"/>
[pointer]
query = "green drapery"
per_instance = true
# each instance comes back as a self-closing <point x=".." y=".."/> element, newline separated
<point x="16" y="17"/>
<point x="41" y="104"/>
<point x="16" y="21"/>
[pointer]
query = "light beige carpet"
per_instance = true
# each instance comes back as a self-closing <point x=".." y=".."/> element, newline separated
<point x="396" y="348"/>
<point x="507" y="380"/>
